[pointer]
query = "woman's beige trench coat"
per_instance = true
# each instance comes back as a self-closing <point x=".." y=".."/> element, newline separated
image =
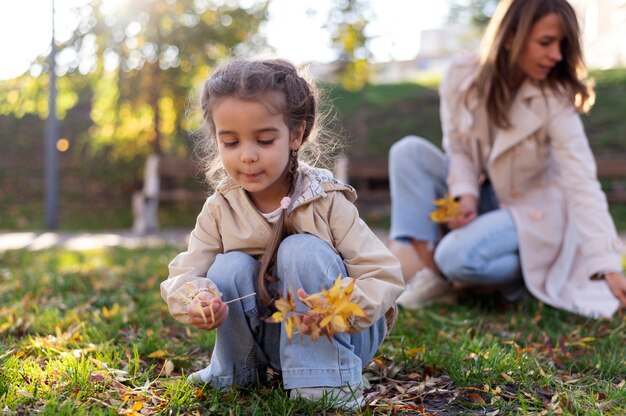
<point x="543" y="171"/>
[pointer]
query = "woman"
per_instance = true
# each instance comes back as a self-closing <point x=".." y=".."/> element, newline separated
<point x="532" y="213"/>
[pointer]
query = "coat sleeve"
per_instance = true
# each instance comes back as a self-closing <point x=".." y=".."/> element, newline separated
<point x="379" y="279"/>
<point x="587" y="203"/>
<point x="463" y="174"/>
<point x="187" y="272"/>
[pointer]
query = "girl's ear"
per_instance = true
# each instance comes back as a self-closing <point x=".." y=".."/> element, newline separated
<point x="296" y="136"/>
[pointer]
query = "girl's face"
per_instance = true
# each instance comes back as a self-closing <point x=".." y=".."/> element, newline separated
<point x="254" y="145"/>
<point x="542" y="49"/>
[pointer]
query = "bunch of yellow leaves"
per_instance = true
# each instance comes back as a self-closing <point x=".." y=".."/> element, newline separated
<point x="330" y="311"/>
<point x="447" y="208"/>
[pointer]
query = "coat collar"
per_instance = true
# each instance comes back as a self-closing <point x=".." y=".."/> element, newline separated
<point x="312" y="183"/>
<point x="523" y="120"/>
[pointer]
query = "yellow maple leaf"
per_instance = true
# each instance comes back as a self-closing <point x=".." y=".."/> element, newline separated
<point x="286" y="312"/>
<point x="291" y="323"/>
<point x="447" y="208"/>
<point x="335" y="307"/>
<point x="285" y="307"/>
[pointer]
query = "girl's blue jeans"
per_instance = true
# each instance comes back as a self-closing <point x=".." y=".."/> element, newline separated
<point x="484" y="252"/>
<point x="246" y="345"/>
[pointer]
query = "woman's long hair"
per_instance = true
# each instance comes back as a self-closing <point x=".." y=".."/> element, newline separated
<point x="513" y="21"/>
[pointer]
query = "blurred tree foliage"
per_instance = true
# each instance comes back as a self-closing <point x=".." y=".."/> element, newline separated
<point x="137" y="60"/>
<point x="473" y="12"/>
<point x="150" y="55"/>
<point x="347" y="24"/>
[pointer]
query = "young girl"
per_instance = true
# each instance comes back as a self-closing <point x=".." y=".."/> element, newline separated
<point x="517" y="159"/>
<point x="275" y="226"/>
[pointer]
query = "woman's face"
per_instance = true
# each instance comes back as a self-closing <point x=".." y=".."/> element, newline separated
<point x="542" y="49"/>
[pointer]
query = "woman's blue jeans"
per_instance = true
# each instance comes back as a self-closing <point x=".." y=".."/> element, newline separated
<point x="484" y="252"/>
<point x="246" y="345"/>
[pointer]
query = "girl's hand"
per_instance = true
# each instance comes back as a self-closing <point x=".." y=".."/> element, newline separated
<point x="468" y="207"/>
<point x="617" y="284"/>
<point x="207" y="311"/>
<point x="310" y="323"/>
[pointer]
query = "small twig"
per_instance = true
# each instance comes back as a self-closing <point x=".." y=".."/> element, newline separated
<point x="101" y="402"/>
<point x="242" y="297"/>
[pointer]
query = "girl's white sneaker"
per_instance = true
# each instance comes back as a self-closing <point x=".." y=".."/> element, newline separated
<point x="345" y="398"/>
<point x="199" y="377"/>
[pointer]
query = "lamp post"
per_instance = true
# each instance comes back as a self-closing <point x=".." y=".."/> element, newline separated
<point x="50" y="141"/>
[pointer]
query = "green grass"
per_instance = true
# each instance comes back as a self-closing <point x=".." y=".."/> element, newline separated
<point x="86" y="333"/>
<point x="618" y="212"/>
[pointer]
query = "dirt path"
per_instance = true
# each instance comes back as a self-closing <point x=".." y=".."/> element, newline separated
<point x="88" y="240"/>
<point x="122" y="238"/>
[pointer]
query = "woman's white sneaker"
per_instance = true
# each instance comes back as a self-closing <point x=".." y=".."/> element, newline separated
<point x="425" y="288"/>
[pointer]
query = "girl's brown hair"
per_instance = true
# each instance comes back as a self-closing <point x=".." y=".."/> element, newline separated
<point x="514" y="20"/>
<point x="278" y="84"/>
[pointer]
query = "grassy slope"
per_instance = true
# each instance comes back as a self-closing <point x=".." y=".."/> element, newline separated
<point x="382" y="114"/>
<point x="386" y="113"/>
<point x="95" y="194"/>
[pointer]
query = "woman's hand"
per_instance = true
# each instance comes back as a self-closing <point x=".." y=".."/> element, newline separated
<point x="207" y="311"/>
<point x="468" y="207"/>
<point x="617" y="284"/>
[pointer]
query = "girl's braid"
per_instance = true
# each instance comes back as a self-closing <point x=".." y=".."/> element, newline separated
<point x="292" y="172"/>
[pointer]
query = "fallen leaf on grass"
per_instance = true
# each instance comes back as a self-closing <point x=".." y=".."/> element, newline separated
<point x="107" y="379"/>
<point x="168" y="367"/>
<point x="556" y="360"/>
<point x="544" y="392"/>
<point x="158" y="354"/>
<point x="476" y="398"/>
<point x="26" y="393"/>
<point x="5" y="326"/>
<point x="604" y="406"/>
<point x="200" y="394"/>
<point x="412" y="352"/>
<point x="379" y="363"/>
<point x="521" y="351"/>
<point x="507" y="377"/>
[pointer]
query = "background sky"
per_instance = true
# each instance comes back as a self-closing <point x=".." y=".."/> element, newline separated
<point x="25" y="27"/>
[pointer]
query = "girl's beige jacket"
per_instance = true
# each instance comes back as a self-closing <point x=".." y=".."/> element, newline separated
<point x="321" y="206"/>
<point x="543" y="171"/>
